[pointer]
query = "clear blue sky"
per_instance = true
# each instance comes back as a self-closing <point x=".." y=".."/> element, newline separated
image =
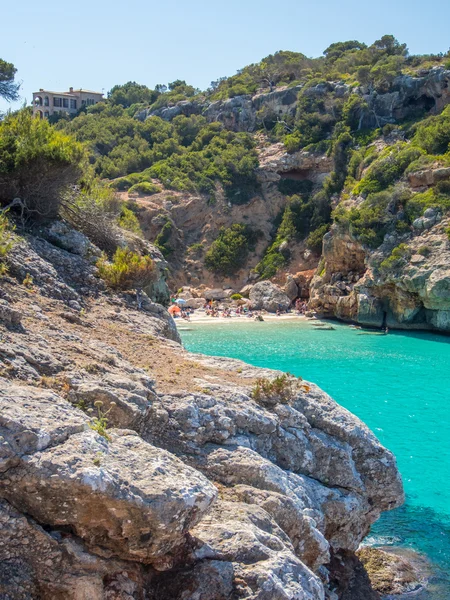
<point x="96" y="44"/>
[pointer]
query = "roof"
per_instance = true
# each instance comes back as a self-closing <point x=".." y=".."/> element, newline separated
<point x="73" y="94"/>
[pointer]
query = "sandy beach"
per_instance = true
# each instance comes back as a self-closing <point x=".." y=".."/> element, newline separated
<point x="200" y="316"/>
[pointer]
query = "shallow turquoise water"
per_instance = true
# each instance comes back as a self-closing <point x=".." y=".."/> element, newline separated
<point x="398" y="384"/>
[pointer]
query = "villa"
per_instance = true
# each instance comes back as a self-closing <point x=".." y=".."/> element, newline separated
<point x="46" y="103"/>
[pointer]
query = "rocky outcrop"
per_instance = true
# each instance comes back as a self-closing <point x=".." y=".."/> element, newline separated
<point x="265" y="295"/>
<point x="410" y="293"/>
<point x="408" y="97"/>
<point x="190" y="488"/>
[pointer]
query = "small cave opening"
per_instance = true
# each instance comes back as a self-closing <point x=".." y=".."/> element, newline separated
<point x="295" y="182"/>
<point x="297" y="174"/>
<point x="421" y="105"/>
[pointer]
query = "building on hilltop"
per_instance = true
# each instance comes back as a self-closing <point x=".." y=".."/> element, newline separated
<point x="46" y="103"/>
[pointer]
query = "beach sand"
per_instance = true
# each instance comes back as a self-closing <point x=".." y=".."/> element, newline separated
<point x="200" y="316"/>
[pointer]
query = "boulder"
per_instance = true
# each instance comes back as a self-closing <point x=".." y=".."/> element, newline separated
<point x="217" y="294"/>
<point x="195" y="303"/>
<point x="246" y="290"/>
<point x="120" y="494"/>
<point x="291" y="289"/>
<point x="268" y="296"/>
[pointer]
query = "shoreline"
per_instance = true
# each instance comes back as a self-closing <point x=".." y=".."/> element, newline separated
<point x="200" y="316"/>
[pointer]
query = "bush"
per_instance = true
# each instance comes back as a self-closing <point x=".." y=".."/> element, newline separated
<point x="424" y="251"/>
<point x="163" y="237"/>
<point x="229" y="251"/>
<point x="127" y="270"/>
<point x="433" y="134"/>
<point x="236" y="297"/>
<point x="129" y="221"/>
<point x="369" y="221"/>
<point x="269" y="392"/>
<point x="6" y="241"/>
<point x="418" y="203"/>
<point x="315" y="238"/>
<point x="94" y="211"/>
<point x="389" y="167"/>
<point x="397" y="258"/>
<point x="144" y="188"/>
<point x="37" y="164"/>
<point x="195" y="248"/>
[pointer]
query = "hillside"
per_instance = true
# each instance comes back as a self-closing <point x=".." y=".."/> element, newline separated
<point x="242" y="181"/>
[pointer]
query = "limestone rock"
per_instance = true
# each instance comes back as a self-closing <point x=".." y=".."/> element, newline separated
<point x="291" y="288"/>
<point x="64" y="474"/>
<point x="268" y="296"/>
<point x="9" y="315"/>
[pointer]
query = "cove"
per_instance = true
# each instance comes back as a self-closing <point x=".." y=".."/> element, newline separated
<point x="398" y="384"/>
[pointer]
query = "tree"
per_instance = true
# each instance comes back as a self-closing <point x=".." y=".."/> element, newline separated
<point x="37" y="164"/>
<point x="9" y="89"/>
<point x="336" y="50"/>
<point x="131" y="93"/>
<point x="388" y="44"/>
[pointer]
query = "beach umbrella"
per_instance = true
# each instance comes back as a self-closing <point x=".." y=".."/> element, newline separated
<point x="180" y="301"/>
<point x="174" y="309"/>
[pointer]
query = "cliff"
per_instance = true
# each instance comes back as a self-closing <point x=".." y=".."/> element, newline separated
<point x="408" y="96"/>
<point x="404" y="283"/>
<point x="195" y="487"/>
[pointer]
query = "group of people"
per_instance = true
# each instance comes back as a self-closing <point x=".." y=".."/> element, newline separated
<point x="301" y="306"/>
<point x="213" y="311"/>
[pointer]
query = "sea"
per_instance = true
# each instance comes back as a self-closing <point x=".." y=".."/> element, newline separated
<point x="398" y="384"/>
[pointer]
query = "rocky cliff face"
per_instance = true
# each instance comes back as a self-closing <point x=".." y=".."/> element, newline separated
<point x="414" y="293"/>
<point x="195" y="489"/>
<point x="408" y="98"/>
<point x="196" y="222"/>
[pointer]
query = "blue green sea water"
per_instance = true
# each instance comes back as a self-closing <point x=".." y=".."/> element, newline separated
<point x="398" y="384"/>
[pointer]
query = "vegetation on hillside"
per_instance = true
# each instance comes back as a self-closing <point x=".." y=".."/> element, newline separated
<point x="229" y="251"/>
<point x="115" y="147"/>
<point x="187" y="154"/>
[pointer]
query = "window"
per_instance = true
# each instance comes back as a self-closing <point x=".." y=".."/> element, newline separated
<point x="65" y="102"/>
<point x="57" y="101"/>
<point x="73" y="104"/>
<point x="46" y="101"/>
<point x="89" y="102"/>
<point x="46" y="114"/>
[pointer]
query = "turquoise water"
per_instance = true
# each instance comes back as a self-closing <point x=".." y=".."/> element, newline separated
<point x="398" y="384"/>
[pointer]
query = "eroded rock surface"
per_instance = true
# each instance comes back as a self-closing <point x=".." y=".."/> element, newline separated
<point x="194" y="490"/>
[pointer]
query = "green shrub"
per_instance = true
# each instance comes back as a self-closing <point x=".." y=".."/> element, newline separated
<point x="144" y="188"/>
<point x="129" y="221"/>
<point x="229" y="251"/>
<point x="315" y="238"/>
<point x="6" y="241"/>
<point x="424" y="251"/>
<point x="163" y="238"/>
<point x="397" y="258"/>
<point x="418" y="203"/>
<point x="369" y="221"/>
<point x="236" y="296"/>
<point x="433" y="134"/>
<point x="388" y="168"/>
<point x="37" y="164"/>
<point x="269" y="392"/>
<point x="195" y="248"/>
<point x="127" y="270"/>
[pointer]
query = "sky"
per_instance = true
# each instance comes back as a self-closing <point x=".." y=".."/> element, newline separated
<point x="96" y="44"/>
